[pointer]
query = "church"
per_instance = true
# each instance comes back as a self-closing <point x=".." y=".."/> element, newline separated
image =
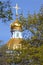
<point x="16" y="33"/>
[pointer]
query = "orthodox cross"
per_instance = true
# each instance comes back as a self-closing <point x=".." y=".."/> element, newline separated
<point x="17" y="8"/>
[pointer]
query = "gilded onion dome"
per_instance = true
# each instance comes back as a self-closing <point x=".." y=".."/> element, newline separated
<point x="16" y="23"/>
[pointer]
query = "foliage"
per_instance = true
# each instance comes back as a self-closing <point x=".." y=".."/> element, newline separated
<point x="5" y="11"/>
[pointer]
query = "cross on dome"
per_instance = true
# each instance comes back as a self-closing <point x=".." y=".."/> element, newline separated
<point x="17" y="8"/>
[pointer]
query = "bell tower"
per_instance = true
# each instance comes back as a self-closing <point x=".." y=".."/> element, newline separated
<point x="16" y="27"/>
<point x="16" y="32"/>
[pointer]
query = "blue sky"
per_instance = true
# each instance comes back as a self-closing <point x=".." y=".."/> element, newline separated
<point x="25" y="5"/>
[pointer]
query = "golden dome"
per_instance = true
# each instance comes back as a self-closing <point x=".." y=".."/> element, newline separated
<point x="16" y="23"/>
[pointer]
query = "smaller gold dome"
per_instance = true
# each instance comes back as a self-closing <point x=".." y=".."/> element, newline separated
<point x="16" y="23"/>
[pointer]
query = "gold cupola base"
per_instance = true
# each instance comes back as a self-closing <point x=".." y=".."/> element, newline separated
<point x="14" y="43"/>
